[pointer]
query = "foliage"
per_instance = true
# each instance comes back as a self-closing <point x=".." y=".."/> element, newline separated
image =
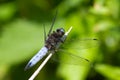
<point x="21" y="36"/>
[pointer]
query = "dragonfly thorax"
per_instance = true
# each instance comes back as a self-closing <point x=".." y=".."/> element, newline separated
<point x="54" y="38"/>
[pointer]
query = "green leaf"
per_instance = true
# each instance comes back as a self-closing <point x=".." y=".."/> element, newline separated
<point x="108" y="71"/>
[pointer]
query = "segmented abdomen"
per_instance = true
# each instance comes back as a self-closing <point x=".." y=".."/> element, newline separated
<point x="42" y="52"/>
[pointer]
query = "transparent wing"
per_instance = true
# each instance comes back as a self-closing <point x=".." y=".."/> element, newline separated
<point x="79" y="44"/>
<point x="53" y="23"/>
<point x="68" y="58"/>
<point x="67" y="52"/>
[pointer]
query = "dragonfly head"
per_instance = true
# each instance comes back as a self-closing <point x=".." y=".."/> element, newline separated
<point x="61" y="31"/>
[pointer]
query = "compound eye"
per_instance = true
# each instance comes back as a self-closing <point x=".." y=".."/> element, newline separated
<point x="58" y="30"/>
<point x="61" y="30"/>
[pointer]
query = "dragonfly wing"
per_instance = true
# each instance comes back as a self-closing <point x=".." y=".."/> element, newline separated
<point x="44" y="34"/>
<point x="83" y="44"/>
<point x="53" y="23"/>
<point x="69" y="58"/>
<point x="37" y="58"/>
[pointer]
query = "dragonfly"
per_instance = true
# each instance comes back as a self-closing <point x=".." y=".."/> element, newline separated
<point x="52" y="43"/>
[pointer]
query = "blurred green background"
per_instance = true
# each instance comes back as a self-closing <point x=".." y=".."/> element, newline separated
<point x="21" y="36"/>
